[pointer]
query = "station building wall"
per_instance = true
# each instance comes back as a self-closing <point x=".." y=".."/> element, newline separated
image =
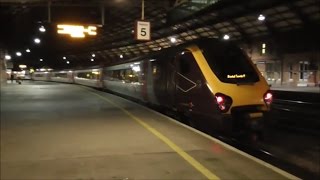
<point x="283" y="68"/>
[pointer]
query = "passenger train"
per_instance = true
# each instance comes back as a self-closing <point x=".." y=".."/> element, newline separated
<point x="206" y="79"/>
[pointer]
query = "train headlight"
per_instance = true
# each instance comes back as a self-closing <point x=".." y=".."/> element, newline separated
<point x="268" y="98"/>
<point x="224" y="102"/>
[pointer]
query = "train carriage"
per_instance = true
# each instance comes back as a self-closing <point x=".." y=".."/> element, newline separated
<point x="203" y="80"/>
<point x="65" y="76"/>
<point x="89" y="77"/>
<point x="41" y="76"/>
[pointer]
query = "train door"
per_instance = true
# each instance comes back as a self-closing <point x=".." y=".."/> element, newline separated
<point x="188" y="81"/>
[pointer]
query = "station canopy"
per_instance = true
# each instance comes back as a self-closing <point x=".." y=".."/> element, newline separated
<point x="243" y="21"/>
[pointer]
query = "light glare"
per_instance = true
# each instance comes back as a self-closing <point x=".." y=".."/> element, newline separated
<point x="226" y="37"/>
<point x="18" y="53"/>
<point x="28" y="50"/>
<point x="7" y="57"/>
<point x="173" y="40"/>
<point x="42" y="29"/>
<point x="261" y="17"/>
<point x="37" y="40"/>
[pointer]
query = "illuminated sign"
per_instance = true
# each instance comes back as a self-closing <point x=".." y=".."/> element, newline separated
<point x="76" y="31"/>
<point x="142" y="30"/>
<point x="236" y="76"/>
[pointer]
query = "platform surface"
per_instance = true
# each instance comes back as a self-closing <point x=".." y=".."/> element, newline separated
<point x="65" y="131"/>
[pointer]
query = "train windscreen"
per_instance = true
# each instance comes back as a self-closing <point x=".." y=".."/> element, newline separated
<point x="230" y="64"/>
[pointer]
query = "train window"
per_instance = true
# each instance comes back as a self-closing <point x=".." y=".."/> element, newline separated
<point x="229" y="63"/>
<point x="184" y="60"/>
<point x="61" y="75"/>
<point x="108" y="75"/>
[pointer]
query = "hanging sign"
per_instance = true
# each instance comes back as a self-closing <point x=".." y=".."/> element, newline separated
<point x="76" y="31"/>
<point x="142" y="30"/>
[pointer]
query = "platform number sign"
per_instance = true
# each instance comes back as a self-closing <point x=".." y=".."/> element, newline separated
<point x="142" y="30"/>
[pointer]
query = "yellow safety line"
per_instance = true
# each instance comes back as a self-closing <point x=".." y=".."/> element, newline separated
<point x="206" y="172"/>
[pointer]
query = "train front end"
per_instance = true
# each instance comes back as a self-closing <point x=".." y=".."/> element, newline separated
<point x="240" y="92"/>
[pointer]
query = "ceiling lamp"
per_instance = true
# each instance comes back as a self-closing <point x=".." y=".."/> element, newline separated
<point x="261" y="17"/>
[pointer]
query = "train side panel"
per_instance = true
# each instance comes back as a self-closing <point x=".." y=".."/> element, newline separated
<point x="41" y="76"/>
<point x="126" y="79"/>
<point x="88" y="77"/>
<point x="62" y="76"/>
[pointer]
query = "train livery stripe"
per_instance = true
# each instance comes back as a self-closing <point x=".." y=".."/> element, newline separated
<point x="197" y="165"/>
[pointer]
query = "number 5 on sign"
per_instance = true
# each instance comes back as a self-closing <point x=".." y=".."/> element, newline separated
<point x="142" y="30"/>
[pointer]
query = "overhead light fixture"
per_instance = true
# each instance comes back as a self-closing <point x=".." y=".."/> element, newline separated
<point x="92" y="59"/>
<point x="37" y="40"/>
<point x="226" y="37"/>
<point x="121" y="56"/>
<point x="173" y="40"/>
<point x="18" y="53"/>
<point x="41" y="59"/>
<point x="64" y="57"/>
<point x="93" y="55"/>
<point x="42" y="29"/>
<point x="7" y="57"/>
<point x="22" y="66"/>
<point x="28" y="50"/>
<point x="68" y="62"/>
<point x="261" y="17"/>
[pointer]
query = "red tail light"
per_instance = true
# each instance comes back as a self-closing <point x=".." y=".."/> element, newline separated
<point x="224" y="102"/>
<point x="268" y="98"/>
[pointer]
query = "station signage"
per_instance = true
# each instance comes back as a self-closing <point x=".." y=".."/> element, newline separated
<point x="77" y="31"/>
<point x="142" y="30"/>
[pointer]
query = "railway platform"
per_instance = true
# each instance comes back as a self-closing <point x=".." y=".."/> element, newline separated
<point x="65" y="131"/>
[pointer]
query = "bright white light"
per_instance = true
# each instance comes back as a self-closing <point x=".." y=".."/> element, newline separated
<point x="173" y="40"/>
<point x="22" y="66"/>
<point x="121" y="56"/>
<point x="37" y="40"/>
<point x="136" y="68"/>
<point x="68" y="62"/>
<point x="64" y="57"/>
<point x="261" y="17"/>
<point x="42" y="29"/>
<point x="93" y="55"/>
<point x="41" y="59"/>
<point x="226" y="37"/>
<point x="92" y="59"/>
<point x="18" y="53"/>
<point x="7" y="57"/>
<point x="28" y="50"/>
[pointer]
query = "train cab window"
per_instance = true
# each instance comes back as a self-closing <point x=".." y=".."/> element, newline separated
<point x="229" y="63"/>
